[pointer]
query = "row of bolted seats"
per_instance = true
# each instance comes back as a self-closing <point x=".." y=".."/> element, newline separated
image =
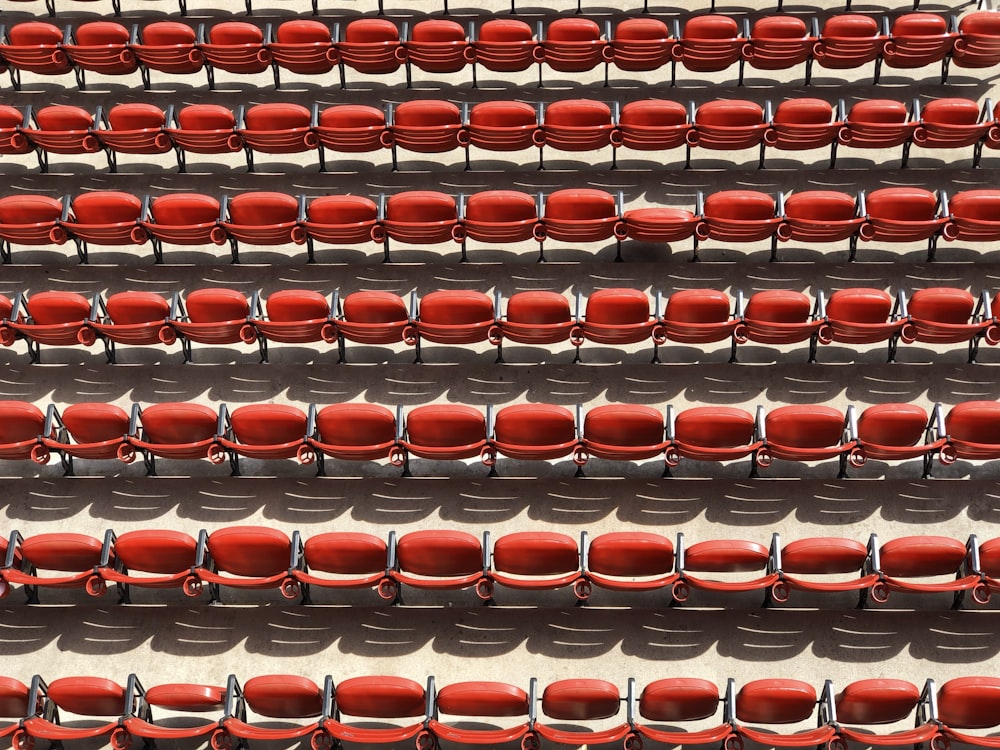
<point x="356" y="431"/>
<point x="381" y="710"/>
<point x="634" y="562"/>
<point x="375" y="46"/>
<point x="432" y="126"/>
<point x="618" y="317"/>
<point x="494" y="217"/>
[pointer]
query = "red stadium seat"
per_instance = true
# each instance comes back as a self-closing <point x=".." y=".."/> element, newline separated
<point x="942" y="315"/>
<point x="14" y="703"/>
<point x="978" y="42"/>
<point x="437" y="45"/>
<point x="583" y="215"/>
<point x="450" y="317"/>
<point x="293" y="316"/>
<point x="658" y="225"/>
<point x="264" y="432"/>
<point x="864" y="316"/>
<point x="880" y="124"/>
<point x="505" y="45"/>
<point x="722" y="556"/>
<point x="902" y="559"/>
<point x="370" y="46"/>
<point x="444" y="432"/>
<point x="740" y="216"/>
<point x="262" y="218"/>
<point x="904" y="214"/>
<point x="777" y="701"/>
<point x="503" y="126"/>
<point x="534" y="318"/>
<point x="728" y="125"/>
<point x="654" y="125"/>
<point x="211" y="316"/>
<point x="825" y="557"/>
<point x="973" y="434"/>
<point x="104" y="218"/>
<point x="533" y="432"/>
<point x="809" y="433"/>
<point x="371" y="698"/>
<point x="622" y="432"/>
<point x="353" y="432"/>
<point x="182" y="219"/>
<point x="166" y="46"/>
<point x="891" y="432"/>
<point x="711" y="433"/>
<point x="499" y="217"/>
<point x="973" y="216"/>
<point x="351" y="129"/>
<point x="850" y="41"/>
<point x="814" y="216"/>
<point x="180" y="697"/>
<point x="420" y="217"/>
<point x="627" y="561"/>
<point x="709" y="43"/>
<point x="101" y="47"/>
<point x="276" y="128"/>
<point x="12" y="141"/>
<point x="573" y="45"/>
<point x="699" y="316"/>
<point x="154" y="559"/>
<point x="74" y="556"/>
<point x="30" y="220"/>
<point x="59" y="129"/>
<point x="245" y="557"/>
<point x="427" y="126"/>
<point x="969" y="703"/>
<point x="919" y="39"/>
<point x="133" y="128"/>
<point x="641" y="45"/>
<point x="371" y="318"/>
<point x="779" y="43"/>
<point x="781" y="317"/>
<point x="483" y="700"/>
<point x="275" y="696"/>
<point x="89" y="697"/>
<point x="203" y="129"/>
<point x="83" y="430"/>
<point x="616" y="317"/>
<point x="437" y="560"/>
<point x="675" y="700"/>
<point x="36" y="47"/>
<point x="234" y="46"/>
<point x="802" y="124"/>
<point x="348" y="560"/>
<point x="51" y="318"/>
<point x="578" y="125"/>
<point x="175" y="431"/>
<point x="579" y="700"/>
<point x="341" y="220"/>
<point x="21" y="430"/>
<point x="302" y="46"/>
<point x="534" y="561"/>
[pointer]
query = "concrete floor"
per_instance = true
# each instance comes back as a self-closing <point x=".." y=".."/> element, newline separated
<point x="164" y="637"/>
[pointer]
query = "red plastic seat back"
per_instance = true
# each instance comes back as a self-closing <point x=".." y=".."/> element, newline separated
<point x="892" y="424"/>
<point x="136" y="116"/>
<point x="951" y="111"/>
<point x="975" y="422"/>
<point x="440" y="553"/>
<point x="652" y="113"/>
<point x="438" y="30"/>
<point x="920" y="24"/>
<point x="970" y="702"/>
<point x="156" y="550"/>
<point x="725" y="556"/>
<point x="884" y="111"/>
<point x="505" y="30"/>
<point x="851" y="26"/>
<point x="99" y="33"/>
<point x="803" y="112"/>
<point x="679" y="699"/>
<point x="20" y="421"/>
<point x="914" y="556"/>
<point x="729" y="113"/>
<point x="346" y="553"/>
<point x="617" y="307"/>
<point x="630" y="554"/>
<point x="260" y="209"/>
<point x="235" y="33"/>
<point x="302" y="31"/>
<point x="710" y="27"/>
<point x="698" y="306"/>
<point x="371" y="31"/>
<point x="779" y="306"/>
<point x="577" y="113"/>
<point x="381" y="697"/>
<point x="445" y="425"/>
<point x="624" y="424"/>
<point x="942" y="305"/>
<point x="342" y="209"/>
<point x="63" y="117"/>
<point x="29" y="209"/>
<point x="177" y="423"/>
<point x="88" y="696"/>
<point x="13" y="698"/>
<point x="168" y="33"/>
<point x="876" y="701"/>
<point x="290" y="305"/>
<point x="63" y="551"/>
<point x="106" y="207"/>
<point x="53" y="308"/>
<point x="500" y="206"/>
<point x="250" y="550"/>
<point x="32" y="33"/>
<point x="859" y="305"/>
<point x="580" y="205"/>
<point x="216" y="305"/>
<point x="206" y="117"/>
<point x="268" y="424"/>
<point x="581" y="699"/>
<point x="95" y="422"/>
<point x="538" y="308"/>
<point x="427" y="113"/>
<point x="536" y="553"/>
<point x="739" y="205"/>
<point x="184" y="209"/>
<point x="820" y="205"/>
<point x="775" y="701"/>
<point x="573" y="30"/>
<point x="823" y="555"/>
<point x="534" y="424"/>
<point x="981" y="205"/>
<point x="283" y="696"/>
<point x="456" y="307"/>
<point x="420" y="206"/>
<point x="714" y="426"/>
<point x="805" y="426"/>
<point x="480" y="698"/>
<point x="778" y="27"/>
<point x="131" y="308"/>
<point x="374" y="307"/>
<point x="277" y="116"/>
